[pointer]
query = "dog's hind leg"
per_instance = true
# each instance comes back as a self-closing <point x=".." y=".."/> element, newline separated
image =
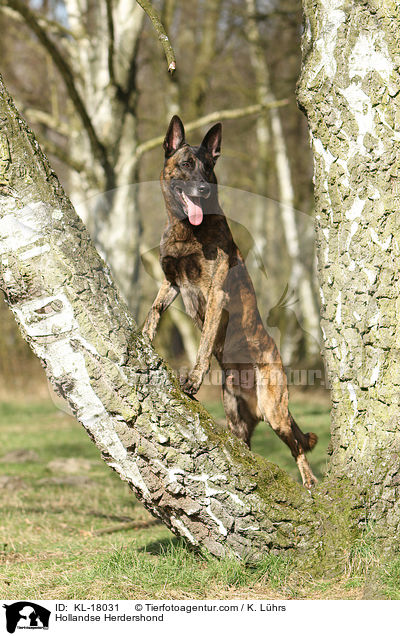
<point x="272" y="398"/>
<point x="238" y="417"/>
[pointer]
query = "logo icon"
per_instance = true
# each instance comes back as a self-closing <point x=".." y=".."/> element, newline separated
<point x="26" y="615"/>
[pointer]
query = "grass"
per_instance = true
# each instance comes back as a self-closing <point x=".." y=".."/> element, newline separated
<point x="391" y="580"/>
<point x="64" y="540"/>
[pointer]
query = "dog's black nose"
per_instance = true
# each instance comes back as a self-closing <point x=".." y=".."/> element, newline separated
<point x="204" y="188"/>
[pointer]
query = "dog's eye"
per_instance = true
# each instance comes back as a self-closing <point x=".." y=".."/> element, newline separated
<point x="186" y="164"/>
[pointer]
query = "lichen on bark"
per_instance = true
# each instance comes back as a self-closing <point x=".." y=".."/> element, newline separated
<point x="349" y="91"/>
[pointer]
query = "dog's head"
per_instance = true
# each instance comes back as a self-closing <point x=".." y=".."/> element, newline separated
<point x="188" y="180"/>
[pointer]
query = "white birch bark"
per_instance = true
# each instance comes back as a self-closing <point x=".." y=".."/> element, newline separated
<point x="350" y="92"/>
<point x="102" y="57"/>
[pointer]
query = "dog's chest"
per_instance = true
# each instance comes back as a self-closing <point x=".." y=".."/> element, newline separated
<point x="192" y="273"/>
<point x="186" y="262"/>
<point x="182" y="268"/>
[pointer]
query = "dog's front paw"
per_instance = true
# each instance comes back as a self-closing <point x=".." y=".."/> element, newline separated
<point x="191" y="383"/>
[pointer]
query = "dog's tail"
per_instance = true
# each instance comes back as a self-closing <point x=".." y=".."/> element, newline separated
<point x="306" y="440"/>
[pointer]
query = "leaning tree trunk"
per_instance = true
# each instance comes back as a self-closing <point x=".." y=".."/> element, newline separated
<point x="188" y="471"/>
<point x="350" y="92"/>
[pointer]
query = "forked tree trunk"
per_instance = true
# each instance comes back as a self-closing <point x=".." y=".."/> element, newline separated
<point x="350" y="92"/>
<point x="203" y="483"/>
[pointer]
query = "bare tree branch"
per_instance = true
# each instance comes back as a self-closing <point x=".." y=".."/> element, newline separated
<point x="42" y="117"/>
<point x="111" y="41"/>
<point x="224" y="115"/>
<point x="66" y="73"/>
<point x="45" y="23"/>
<point x="162" y="36"/>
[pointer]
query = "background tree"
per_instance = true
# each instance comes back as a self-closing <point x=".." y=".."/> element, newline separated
<point x="95" y="55"/>
<point x="270" y="133"/>
<point x="77" y="113"/>
<point x="242" y="166"/>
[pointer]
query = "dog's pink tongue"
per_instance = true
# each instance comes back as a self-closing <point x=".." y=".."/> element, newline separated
<point x="195" y="212"/>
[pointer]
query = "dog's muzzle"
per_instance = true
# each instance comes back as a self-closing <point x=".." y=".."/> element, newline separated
<point x="190" y="194"/>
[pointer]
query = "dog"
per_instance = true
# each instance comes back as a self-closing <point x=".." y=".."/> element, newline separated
<point x="201" y="261"/>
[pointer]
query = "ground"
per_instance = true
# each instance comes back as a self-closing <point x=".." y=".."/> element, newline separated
<point x="74" y="530"/>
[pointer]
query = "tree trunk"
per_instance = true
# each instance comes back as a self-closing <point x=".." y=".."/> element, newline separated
<point x="103" y="57"/>
<point x="299" y="277"/>
<point x="263" y="222"/>
<point x="202" y="482"/>
<point x="350" y="92"/>
<point x="97" y="63"/>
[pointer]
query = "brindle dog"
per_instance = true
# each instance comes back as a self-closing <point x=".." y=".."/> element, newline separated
<point x="201" y="261"/>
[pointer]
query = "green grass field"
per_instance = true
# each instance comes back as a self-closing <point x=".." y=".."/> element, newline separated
<point x="86" y="536"/>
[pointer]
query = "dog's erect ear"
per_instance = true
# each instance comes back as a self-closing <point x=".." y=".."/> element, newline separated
<point x="212" y="141"/>
<point x="175" y="136"/>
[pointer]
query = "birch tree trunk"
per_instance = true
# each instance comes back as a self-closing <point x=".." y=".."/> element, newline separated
<point x="299" y="278"/>
<point x="97" y="62"/>
<point x="349" y="90"/>
<point x="103" y="59"/>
